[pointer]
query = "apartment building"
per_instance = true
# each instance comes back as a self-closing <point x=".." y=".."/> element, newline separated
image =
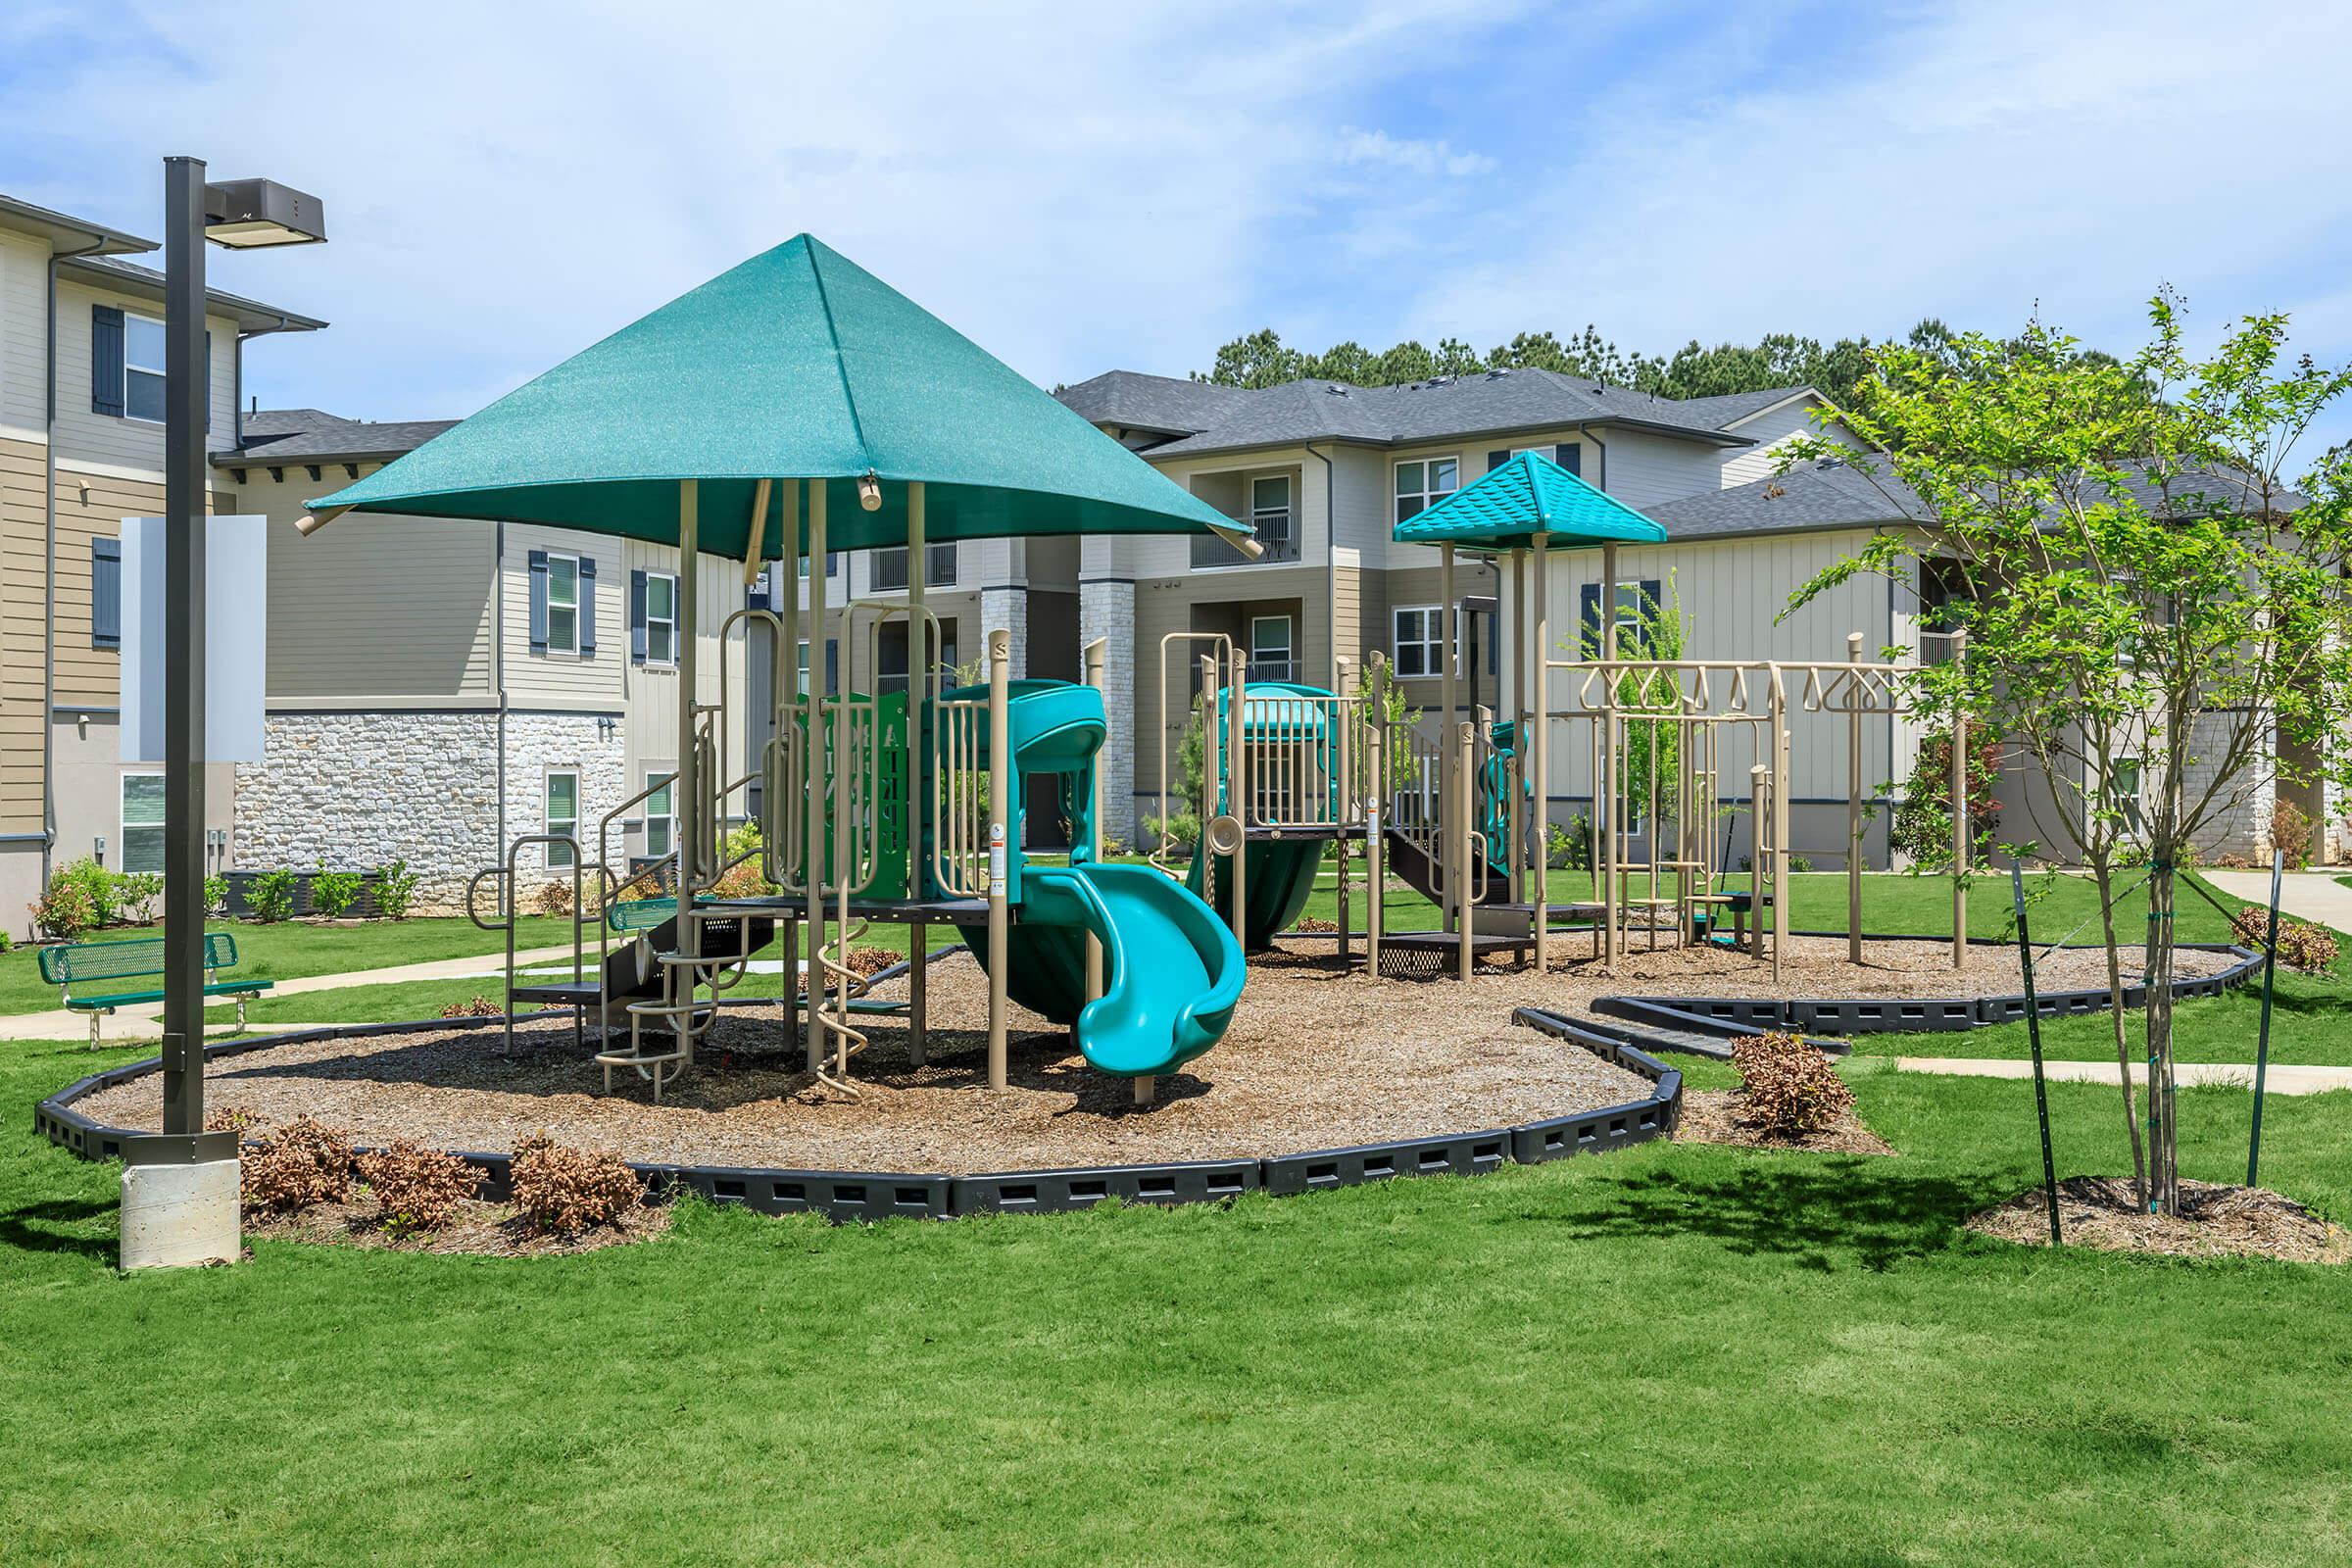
<point x="81" y="447"/>
<point x="1324" y="473"/>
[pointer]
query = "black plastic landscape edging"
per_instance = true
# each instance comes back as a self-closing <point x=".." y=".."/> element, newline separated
<point x="1690" y="1024"/>
<point x="868" y="1196"/>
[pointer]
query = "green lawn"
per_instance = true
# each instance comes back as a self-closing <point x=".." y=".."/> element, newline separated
<point x="1672" y="1353"/>
<point x="292" y="950"/>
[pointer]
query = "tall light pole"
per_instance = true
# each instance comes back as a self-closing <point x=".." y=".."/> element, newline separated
<point x="172" y="1215"/>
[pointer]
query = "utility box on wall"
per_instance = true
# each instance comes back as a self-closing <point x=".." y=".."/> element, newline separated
<point x="236" y="613"/>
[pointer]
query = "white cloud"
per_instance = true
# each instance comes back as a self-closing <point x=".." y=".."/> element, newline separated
<point x="504" y="184"/>
<point x="1419" y="156"/>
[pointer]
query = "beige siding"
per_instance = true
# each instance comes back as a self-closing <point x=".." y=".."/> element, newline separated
<point x="651" y="691"/>
<point x="566" y="680"/>
<point x="372" y="611"/>
<point x="89" y="438"/>
<point x="22" y="614"/>
<point x="23" y="333"/>
<point x="90" y="507"/>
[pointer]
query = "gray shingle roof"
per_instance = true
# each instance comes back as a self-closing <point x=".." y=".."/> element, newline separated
<point x="1835" y="495"/>
<point x="1232" y="418"/>
<point x="307" y="435"/>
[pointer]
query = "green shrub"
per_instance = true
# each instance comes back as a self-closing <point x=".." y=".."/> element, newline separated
<point x="96" y="883"/>
<point x="1570" y="848"/>
<point x="216" y="894"/>
<point x="62" y="913"/>
<point x="1923" y="823"/>
<point x="334" y="893"/>
<point x="395" y="889"/>
<point x="270" y="896"/>
<point x="136" y="896"/>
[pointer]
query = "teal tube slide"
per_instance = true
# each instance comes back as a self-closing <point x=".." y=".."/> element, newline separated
<point x="1278" y="876"/>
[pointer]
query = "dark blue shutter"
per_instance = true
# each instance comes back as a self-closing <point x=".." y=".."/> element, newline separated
<point x="106" y="593"/>
<point x="207" y="380"/>
<point x="636" y="617"/>
<point x="106" y="360"/>
<point x="832" y="667"/>
<point x="1496" y="460"/>
<point x="538" y="601"/>
<point x="1589" y="612"/>
<point x="1652" y="606"/>
<point x="587" y="592"/>
<point x="1570" y="455"/>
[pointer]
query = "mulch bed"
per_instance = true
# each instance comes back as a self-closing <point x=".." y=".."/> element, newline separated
<point x="2099" y="1211"/>
<point x="1719" y="1116"/>
<point x="480" y="1227"/>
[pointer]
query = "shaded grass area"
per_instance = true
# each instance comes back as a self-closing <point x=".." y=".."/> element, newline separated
<point x="1672" y="1353"/>
<point x="295" y="950"/>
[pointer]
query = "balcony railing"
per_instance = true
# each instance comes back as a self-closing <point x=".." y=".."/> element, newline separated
<point x="887" y="571"/>
<point x="1274" y="531"/>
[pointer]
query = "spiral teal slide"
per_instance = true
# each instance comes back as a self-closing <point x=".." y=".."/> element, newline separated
<point x="1171" y="969"/>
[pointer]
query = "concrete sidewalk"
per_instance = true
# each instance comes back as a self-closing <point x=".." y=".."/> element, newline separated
<point x="2283" y="1079"/>
<point x="2306" y="895"/>
<point x="144" y="1022"/>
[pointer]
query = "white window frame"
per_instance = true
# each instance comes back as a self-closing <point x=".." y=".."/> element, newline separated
<point x="669" y="622"/>
<point x="1424" y="496"/>
<point x="665" y="778"/>
<point x="1290" y="641"/>
<point x="570" y="644"/>
<point x="2135" y="806"/>
<point x="1432" y="642"/>
<point x="1630" y="601"/>
<point x="124" y="825"/>
<point x="558" y="856"/>
<point x="131" y="366"/>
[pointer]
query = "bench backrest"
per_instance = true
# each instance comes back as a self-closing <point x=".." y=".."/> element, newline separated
<point x="641" y="914"/>
<point x="130" y="958"/>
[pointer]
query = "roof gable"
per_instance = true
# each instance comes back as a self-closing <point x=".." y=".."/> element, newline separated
<point x="1509" y="507"/>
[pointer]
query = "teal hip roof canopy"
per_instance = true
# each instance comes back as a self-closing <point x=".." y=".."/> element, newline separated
<point x="1506" y="507"/>
<point x="798" y="365"/>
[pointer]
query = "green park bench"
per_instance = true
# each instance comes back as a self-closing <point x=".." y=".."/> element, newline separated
<point x="73" y="967"/>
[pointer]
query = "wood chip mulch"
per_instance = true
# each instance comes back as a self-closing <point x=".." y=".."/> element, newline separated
<point x="480" y="1227"/>
<point x="2099" y="1211"/>
<point x="1719" y="1116"/>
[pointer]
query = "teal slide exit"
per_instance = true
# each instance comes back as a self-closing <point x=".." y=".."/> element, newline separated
<point x="1171" y="970"/>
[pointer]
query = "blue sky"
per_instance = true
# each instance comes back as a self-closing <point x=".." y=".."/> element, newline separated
<point x="1082" y="188"/>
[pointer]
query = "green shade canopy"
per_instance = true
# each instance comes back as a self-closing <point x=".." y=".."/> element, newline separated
<point x="797" y="364"/>
<point x="1529" y="495"/>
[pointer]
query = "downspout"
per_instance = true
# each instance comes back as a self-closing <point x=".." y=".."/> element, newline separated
<point x="1331" y="575"/>
<point x="1583" y="432"/>
<point x="49" y="574"/>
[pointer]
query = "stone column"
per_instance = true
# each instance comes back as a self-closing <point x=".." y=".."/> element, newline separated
<point x="1007" y="610"/>
<point x="1108" y="610"/>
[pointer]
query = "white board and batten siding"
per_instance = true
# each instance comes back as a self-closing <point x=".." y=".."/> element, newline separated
<point x="1772" y="429"/>
<point x="1731" y="593"/>
<point x="650" y="691"/>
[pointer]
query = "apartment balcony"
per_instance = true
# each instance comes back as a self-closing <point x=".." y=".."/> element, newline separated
<point x="887" y="568"/>
<point x="1276" y="531"/>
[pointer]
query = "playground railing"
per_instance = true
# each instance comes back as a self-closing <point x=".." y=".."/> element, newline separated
<point x="957" y="856"/>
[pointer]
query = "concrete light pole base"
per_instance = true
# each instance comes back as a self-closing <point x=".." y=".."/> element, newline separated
<point x="180" y="1202"/>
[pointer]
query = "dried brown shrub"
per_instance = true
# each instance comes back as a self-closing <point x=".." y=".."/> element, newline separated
<point x="302" y="1164"/>
<point x="2303" y="946"/>
<point x="478" y="1007"/>
<point x="232" y="1119"/>
<point x="419" y="1189"/>
<point x="554" y="899"/>
<point x="2290" y="830"/>
<point x="568" y="1190"/>
<point x="1791" y="1090"/>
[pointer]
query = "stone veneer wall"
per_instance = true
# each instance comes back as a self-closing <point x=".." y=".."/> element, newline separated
<point x="1008" y="610"/>
<point x="354" y="790"/>
<point x="1107" y="610"/>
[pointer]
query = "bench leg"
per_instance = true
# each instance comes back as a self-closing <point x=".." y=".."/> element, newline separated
<point x="95" y="1015"/>
<point x="241" y="1001"/>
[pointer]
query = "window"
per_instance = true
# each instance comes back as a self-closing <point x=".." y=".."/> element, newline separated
<point x="563" y="814"/>
<point x="660" y="816"/>
<point x="832" y="665"/>
<point x="2124" y="791"/>
<point x="888" y="571"/>
<point x="1424" y="482"/>
<point x="832" y="565"/>
<point x="1639" y="603"/>
<point x="1420" y="633"/>
<point x="143" y="368"/>
<point x="1270" y="649"/>
<point x="562" y="603"/>
<point x="141" y="846"/>
<point x="1269" y="519"/>
<point x="661" y="617"/>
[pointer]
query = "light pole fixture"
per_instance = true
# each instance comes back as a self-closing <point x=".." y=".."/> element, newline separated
<point x="186" y="1161"/>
